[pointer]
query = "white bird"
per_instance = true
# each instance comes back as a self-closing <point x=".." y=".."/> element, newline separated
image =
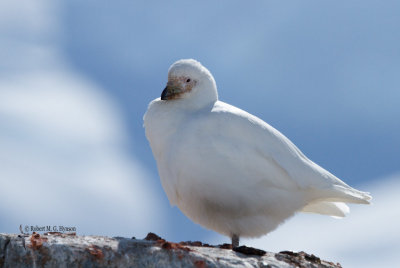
<point x="228" y="170"/>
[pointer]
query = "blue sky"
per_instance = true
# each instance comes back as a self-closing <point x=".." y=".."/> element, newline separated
<point x="322" y="66"/>
<point x="76" y="78"/>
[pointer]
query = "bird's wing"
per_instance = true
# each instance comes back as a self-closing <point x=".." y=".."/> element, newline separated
<point x="255" y="139"/>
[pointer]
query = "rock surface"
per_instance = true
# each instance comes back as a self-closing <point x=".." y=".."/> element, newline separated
<point x="69" y="250"/>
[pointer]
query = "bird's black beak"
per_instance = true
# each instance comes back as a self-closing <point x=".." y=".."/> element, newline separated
<point x="172" y="91"/>
<point x="164" y="94"/>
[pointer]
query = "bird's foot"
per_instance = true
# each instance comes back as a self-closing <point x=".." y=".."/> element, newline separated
<point x="249" y="251"/>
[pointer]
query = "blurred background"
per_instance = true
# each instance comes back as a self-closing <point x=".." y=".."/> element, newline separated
<point x="76" y="78"/>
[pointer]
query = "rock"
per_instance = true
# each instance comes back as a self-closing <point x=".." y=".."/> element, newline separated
<point x="70" y="250"/>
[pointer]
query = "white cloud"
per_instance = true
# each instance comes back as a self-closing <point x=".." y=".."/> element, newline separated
<point x="63" y="156"/>
<point x="62" y="104"/>
<point x="368" y="237"/>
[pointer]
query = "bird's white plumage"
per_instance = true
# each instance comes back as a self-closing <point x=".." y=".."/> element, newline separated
<point x="230" y="171"/>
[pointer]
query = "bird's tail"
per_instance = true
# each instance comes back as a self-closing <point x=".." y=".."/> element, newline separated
<point x="335" y="209"/>
<point x="333" y="202"/>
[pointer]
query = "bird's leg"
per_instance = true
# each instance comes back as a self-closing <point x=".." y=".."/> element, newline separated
<point x="235" y="241"/>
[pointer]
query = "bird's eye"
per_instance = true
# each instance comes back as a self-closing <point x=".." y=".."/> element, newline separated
<point x="188" y="80"/>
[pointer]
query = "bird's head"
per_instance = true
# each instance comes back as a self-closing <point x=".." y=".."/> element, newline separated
<point x="189" y="80"/>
